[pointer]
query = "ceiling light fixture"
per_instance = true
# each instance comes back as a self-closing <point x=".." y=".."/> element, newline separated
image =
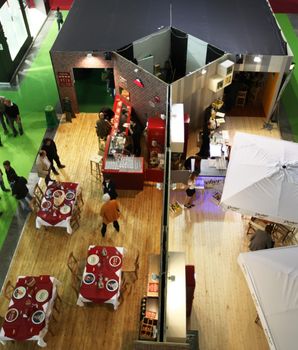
<point x="257" y="59"/>
<point x="89" y="54"/>
<point x="204" y="71"/>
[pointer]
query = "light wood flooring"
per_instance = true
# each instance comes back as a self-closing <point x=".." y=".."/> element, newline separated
<point x="223" y="309"/>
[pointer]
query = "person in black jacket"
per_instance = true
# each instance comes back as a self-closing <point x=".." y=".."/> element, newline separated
<point x="20" y="191"/>
<point x="50" y="147"/>
<point x="10" y="172"/>
<point x="109" y="187"/>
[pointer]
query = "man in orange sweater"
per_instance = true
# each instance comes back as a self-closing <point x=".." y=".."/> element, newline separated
<point x="109" y="212"/>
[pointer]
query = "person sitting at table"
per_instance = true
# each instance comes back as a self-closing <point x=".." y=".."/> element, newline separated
<point x="20" y="192"/>
<point x="262" y="239"/>
<point x="109" y="212"/>
<point x="108" y="187"/>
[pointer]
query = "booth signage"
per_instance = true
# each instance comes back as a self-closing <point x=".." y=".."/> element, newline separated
<point x="64" y="79"/>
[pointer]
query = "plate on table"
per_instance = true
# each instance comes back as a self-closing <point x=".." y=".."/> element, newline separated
<point x="46" y="205"/>
<point x="65" y="209"/>
<point x="112" y="285"/>
<point x="42" y="295"/>
<point x="38" y="317"/>
<point x="93" y="259"/>
<point x="19" y="292"/>
<point x="11" y="315"/>
<point x="70" y="195"/>
<point x="89" y="278"/>
<point x="115" y="261"/>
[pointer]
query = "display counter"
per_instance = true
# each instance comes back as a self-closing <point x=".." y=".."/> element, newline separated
<point x="126" y="171"/>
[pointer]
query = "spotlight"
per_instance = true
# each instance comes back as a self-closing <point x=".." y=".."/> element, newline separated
<point x="204" y="71"/>
<point x="292" y="66"/>
<point x="89" y="54"/>
<point x="257" y="59"/>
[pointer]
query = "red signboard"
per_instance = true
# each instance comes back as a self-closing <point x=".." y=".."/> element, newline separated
<point x="64" y="79"/>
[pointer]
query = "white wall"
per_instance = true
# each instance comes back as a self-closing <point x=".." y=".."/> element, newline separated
<point x="196" y="54"/>
<point x="157" y="45"/>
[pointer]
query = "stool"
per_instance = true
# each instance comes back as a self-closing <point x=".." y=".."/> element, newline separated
<point x="95" y="166"/>
<point x="200" y="185"/>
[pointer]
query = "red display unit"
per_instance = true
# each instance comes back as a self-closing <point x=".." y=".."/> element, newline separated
<point x="190" y="287"/>
<point x="155" y="146"/>
<point x="127" y="172"/>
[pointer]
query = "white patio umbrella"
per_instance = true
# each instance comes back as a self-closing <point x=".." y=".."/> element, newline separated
<point x="262" y="179"/>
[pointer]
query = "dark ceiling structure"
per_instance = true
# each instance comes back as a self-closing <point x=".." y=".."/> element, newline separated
<point x="235" y="26"/>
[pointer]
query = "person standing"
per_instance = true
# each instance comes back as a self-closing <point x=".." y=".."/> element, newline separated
<point x="51" y="151"/>
<point x="43" y="166"/>
<point x="109" y="212"/>
<point x="20" y="192"/>
<point x="103" y="127"/>
<point x="191" y="190"/>
<point x="4" y="189"/>
<point x="136" y="130"/>
<point x="10" y="172"/>
<point x="13" y="115"/>
<point x="59" y="17"/>
<point x="109" y="187"/>
<point x="2" y="117"/>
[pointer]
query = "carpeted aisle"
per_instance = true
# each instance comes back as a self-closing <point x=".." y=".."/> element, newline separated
<point x="36" y="90"/>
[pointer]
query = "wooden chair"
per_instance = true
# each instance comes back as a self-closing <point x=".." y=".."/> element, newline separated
<point x="80" y="200"/>
<point x="257" y="224"/>
<point x="131" y="264"/>
<point x="125" y="288"/>
<point x="38" y="193"/>
<point x="35" y="205"/>
<point x="76" y="268"/>
<point x="8" y="290"/>
<point x="282" y="232"/>
<point x="75" y="217"/>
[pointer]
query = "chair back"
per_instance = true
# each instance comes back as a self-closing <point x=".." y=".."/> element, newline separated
<point x="8" y="290"/>
<point x="38" y="193"/>
<point x="73" y="264"/>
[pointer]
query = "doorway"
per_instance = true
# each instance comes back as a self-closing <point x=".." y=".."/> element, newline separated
<point x="91" y="89"/>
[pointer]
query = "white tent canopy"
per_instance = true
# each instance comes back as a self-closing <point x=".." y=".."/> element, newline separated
<point x="272" y="277"/>
<point x="262" y="179"/>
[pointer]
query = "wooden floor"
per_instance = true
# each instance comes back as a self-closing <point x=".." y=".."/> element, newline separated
<point x="223" y="309"/>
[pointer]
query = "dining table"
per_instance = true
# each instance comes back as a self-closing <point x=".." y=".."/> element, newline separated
<point x="57" y="205"/>
<point x="29" y="310"/>
<point x="101" y="280"/>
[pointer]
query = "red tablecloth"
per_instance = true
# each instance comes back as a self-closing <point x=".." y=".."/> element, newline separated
<point x="23" y="328"/>
<point x="53" y="215"/>
<point x="104" y="269"/>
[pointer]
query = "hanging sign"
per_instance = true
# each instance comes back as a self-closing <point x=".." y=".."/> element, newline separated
<point x="64" y="79"/>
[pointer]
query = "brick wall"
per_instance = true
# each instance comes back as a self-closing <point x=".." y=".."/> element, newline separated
<point x="142" y="99"/>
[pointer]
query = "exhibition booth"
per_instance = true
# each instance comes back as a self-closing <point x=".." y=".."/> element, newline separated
<point x="175" y="77"/>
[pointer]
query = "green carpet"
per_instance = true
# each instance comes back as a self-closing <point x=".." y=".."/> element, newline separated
<point x="37" y="90"/>
<point x="290" y="96"/>
<point x="91" y="90"/>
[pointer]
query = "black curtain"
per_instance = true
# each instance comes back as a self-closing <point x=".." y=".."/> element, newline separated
<point x="213" y="53"/>
<point x="178" y="53"/>
<point x="126" y="52"/>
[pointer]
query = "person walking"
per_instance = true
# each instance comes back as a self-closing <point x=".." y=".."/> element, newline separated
<point x="2" y="116"/>
<point x="109" y="212"/>
<point x="4" y="189"/>
<point x="13" y="115"/>
<point x="59" y="17"/>
<point x="191" y="190"/>
<point x="51" y="151"/>
<point x="10" y="172"/>
<point x="43" y="166"/>
<point x="109" y="187"/>
<point x="20" y="192"/>
<point x="103" y="127"/>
